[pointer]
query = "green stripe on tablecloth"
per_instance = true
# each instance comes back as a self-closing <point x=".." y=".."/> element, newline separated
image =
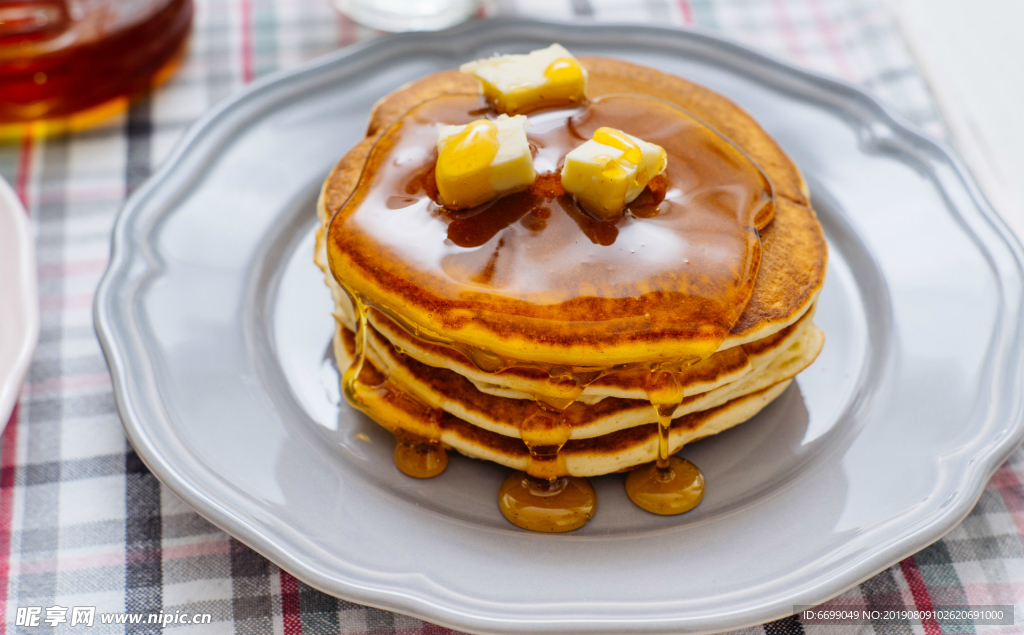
<point x="264" y="37"/>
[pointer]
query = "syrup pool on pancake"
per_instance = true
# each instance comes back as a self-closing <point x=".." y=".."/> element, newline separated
<point x="673" y="246"/>
<point x="537" y="261"/>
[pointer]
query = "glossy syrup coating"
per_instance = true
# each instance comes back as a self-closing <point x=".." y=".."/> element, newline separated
<point x="683" y="258"/>
<point x="532" y="278"/>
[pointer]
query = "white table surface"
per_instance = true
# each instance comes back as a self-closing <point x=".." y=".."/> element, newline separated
<point x="972" y="55"/>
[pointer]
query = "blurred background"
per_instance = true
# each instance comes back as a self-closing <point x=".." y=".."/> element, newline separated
<point x="66" y="65"/>
<point x="95" y="93"/>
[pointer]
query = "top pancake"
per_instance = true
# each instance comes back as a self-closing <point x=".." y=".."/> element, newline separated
<point x="792" y="258"/>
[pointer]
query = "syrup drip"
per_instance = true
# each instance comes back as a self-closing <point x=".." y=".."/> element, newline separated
<point x="543" y="498"/>
<point x="555" y="506"/>
<point x="545" y="431"/>
<point x="670" y="485"/>
<point x="416" y="455"/>
<point x="666" y="393"/>
<point x="350" y="380"/>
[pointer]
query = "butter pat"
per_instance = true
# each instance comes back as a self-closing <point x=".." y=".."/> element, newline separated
<point x="610" y="170"/>
<point x="523" y="83"/>
<point x="483" y="160"/>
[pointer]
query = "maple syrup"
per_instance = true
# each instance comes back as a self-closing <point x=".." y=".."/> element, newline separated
<point x="545" y="431"/>
<point x="670" y="485"/>
<point x="418" y="456"/>
<point x="554" y="506"/>
<point x="673" y="489"/>
<point x="681" y="260"/>
<point x="680" y="271"/>
<point x="366" y="388"/>
<point x="665" y="393"/>
<point x="58" y="58"/>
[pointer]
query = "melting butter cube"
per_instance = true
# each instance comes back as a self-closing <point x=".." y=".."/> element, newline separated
<point x="483" y="160"/>
<point x="610" y="170"/>
<point x="523" y="83"/>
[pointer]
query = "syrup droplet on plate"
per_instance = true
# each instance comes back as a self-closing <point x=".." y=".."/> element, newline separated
<point x="674" y="489"/>
<point x="553" y="506"/>
<point x="418" y="456"/>
<point x="670" y="485"/>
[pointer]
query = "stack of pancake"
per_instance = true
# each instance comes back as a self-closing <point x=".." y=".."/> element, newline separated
<point x="467" y="371"/>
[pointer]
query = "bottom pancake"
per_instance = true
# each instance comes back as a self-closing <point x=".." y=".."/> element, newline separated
<point x="455" y="394"/>
<point x="613" y="452"/>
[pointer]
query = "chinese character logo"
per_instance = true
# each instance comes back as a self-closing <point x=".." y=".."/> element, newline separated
<point x="56" y="615"/>
<point x="28" y="616"/>
<point x="83" y="615"/>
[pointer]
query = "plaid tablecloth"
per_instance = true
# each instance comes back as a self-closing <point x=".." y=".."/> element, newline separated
<point x="83" y="523"/>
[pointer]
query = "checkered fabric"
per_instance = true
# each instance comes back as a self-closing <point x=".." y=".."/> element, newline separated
<point x="82" y="521"/>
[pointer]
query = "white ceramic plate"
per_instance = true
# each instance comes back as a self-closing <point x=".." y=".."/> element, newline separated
<point x="216" y="323"/>
<point x="19" y="307"/>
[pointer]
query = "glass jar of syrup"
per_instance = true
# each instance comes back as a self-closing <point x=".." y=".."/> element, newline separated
<point x="60" y="57"/>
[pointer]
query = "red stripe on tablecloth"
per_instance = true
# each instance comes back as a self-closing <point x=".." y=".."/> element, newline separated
<point x="686" y="11"/>
<point x="993" y="592"/>
<point x="788" y="30"/>
<point x="80" y="194"/>
<point x="346" y="30"/>
<point x="1005" y="480"/>
<point x="48" y="270"/>
<point x="434" y="629"/>
<point x="291" y="613"/>
<point x="922" y="599"/>
<point x="7" y="472"/>
<point x="115" y="558"/>
<point x="68" y="382"/>
<point x="24" y="167"/>
<point x="832" y="40"/>
<point x="61" y="303"/>
<point x="246" y="9"/>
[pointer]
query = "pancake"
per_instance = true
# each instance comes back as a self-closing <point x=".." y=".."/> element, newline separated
<point x="606" y="77"/>
<point x="793" y="254"/>
<point x="788" y="283"/>
<point x="722" y="368"/>
<point x="592" y="456"/>
<point x="448" y="391"/>
<point x="530" y="332"/>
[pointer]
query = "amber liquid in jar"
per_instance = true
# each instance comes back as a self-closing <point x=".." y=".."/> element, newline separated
<point x="60" y="57"/>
